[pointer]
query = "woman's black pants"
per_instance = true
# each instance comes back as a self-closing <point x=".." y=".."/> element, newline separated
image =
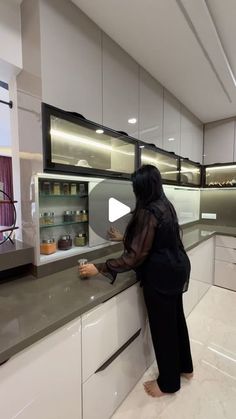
<point x="170" y="337"/>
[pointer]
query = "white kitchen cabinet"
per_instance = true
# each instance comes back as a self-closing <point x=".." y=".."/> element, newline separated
<point x="116" y="350"/>
<point x="151" y="110"/>
<point x="109" y="326"/>
<point x="105" y="390"/>
<point x="191" y="144"/>
<point x="202" y="261"/>
<point x="202" y="274"/>
<point x="120" y="88"/>
<point x="225" y="262"/>
<point x="71" y="67"/>
<point x="171" y="129"/>
<point x="219" y="142"/>
<point x="226" y="241"/>
<point x="225" y="274"/>
<point x="44" y="380"/>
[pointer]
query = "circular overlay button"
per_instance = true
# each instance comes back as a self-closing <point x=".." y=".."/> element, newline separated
<point x="110" y="205"/>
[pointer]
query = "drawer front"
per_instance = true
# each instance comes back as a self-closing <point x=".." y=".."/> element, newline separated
<point x="105" y="390"/>
<point x="106" y="328"/>
<point x="225" y="274"/>
<point x="226" y="254"/>
<point x="226" y="241"/>
<point x="202" y="261"/>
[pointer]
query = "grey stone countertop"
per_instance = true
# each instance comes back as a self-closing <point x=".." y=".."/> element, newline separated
<point x="32" y="308"/>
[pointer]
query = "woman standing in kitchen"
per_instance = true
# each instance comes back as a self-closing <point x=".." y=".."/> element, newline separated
<point x="154" y="249"/>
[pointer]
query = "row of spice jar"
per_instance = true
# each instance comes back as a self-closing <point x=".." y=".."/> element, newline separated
<point x="65" y="188"/>
<point x="49" y="246"/>
<point x="48" y="218"/>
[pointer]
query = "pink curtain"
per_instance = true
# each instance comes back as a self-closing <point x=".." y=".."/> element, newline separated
<point x="6" y="213"/>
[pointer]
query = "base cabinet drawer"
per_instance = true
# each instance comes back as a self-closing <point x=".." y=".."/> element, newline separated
<point x="105" y="390"/>
<point x="226" y="254"/>
<point x="225" y="274"/>
<point x="106" y="328"/>
<point x="226" y="241"/>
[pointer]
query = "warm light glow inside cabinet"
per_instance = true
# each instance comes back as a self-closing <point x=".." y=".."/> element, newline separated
<point x="73" y="144"/>
<point x="167" y="163"/>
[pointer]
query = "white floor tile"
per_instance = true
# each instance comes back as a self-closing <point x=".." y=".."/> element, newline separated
<point x="211" y="394"/>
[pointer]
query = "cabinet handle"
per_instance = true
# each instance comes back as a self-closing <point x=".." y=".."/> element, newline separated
<point x="118" y="352"/>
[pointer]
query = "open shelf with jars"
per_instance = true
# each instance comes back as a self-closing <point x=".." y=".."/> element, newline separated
<point x="62" y="216"/>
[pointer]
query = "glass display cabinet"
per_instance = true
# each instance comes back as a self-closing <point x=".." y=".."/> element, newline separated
<point x="190" y="173"/>
<point x="167" y="163"/>
<point x="220" y="176"/>
<point x="62" y="216"/>
<point x="75" y="145"/>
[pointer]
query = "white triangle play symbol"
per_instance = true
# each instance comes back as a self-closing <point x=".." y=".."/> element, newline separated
<point x="117" y="209"/>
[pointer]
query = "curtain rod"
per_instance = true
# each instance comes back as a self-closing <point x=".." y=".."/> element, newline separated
<point x="10" y="104"/>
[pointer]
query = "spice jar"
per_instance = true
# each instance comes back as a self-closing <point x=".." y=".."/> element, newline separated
<point x="56" y="188"/>
<point x="48" y="218"/>
<point x="84" y="215"/>
<point x="73" y="189"/>
<point x="46" y="188"/>
<point x="66" y="189"/>
<point x="80" y="239"/>
<point x="47" y="247"/>
<point x="82" y="188"/>
<point x="41" y="219"/>
<point x="65" y="242"/>
<point x="78" y="216"/>
<point x="67" y="217"/>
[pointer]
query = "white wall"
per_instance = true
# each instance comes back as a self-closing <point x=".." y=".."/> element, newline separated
<point x="10" y="36"/>
<point x="5" y="134"/>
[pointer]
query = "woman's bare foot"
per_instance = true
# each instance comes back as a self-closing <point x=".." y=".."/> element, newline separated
<point x="187" y="375"/>
<point x="153" y="389"/>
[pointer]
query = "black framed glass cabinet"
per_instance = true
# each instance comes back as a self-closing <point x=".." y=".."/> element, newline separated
<point x="75" y="145"/>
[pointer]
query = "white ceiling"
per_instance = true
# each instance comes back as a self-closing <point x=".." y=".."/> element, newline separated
<point x="188" y="45"/>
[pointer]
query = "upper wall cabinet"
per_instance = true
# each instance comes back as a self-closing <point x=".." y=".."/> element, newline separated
<point x="76" y="145"/>
<point x="151" y="110"/>
<point x="71" y="59"/>
<point x="120" y="89"/>
<point x="219" y="142"/>
<point x="171" y="123"/>
<point x="191" y="144"/>
<point x="167" y="163"/>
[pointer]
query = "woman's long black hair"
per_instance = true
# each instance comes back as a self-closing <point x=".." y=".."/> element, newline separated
<point x="148" y="189"/>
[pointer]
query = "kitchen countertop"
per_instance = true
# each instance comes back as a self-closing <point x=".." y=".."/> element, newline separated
<point x="16" y="254"/>
<point x="32" y="308"/>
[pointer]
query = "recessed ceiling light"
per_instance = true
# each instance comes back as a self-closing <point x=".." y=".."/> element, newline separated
<point x="141" y="146"/>
<point x="99" y="131"/>
<point x="132" y="120"/>
<point x="171" y="139"/>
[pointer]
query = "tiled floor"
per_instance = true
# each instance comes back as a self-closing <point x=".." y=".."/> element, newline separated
<point x="212" y="392"/>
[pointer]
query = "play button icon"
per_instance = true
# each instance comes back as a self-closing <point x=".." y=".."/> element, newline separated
<point x="117" y="210"/>
<point x="110" y="204"/>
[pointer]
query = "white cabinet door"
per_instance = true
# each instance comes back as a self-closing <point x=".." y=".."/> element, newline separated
<point x="202" y="261"/>
<point x="191" y="144"/>
<point x="104" y="391"/>
<point x="120" y="88"/>
<point x="151" y="110"/>
<point x="71" y="59"/>
<point x="226" y="241"/>
<point x="171" y="136"/>
<point x="226" y="254"/>
<point x="44" y="380"/>
<point x="107" y="327"/>
<point x="219" y="142"/>
<point x="225" y="274"/>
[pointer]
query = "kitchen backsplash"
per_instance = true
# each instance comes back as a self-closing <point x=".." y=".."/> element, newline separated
<point x="218" y="206"/>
